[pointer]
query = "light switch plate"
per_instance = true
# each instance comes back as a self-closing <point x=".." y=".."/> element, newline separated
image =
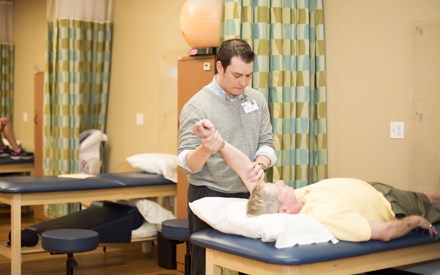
<point x="139" y="119"/>
<point x="397" y="129"/>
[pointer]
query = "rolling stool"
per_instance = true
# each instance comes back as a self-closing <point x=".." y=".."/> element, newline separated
<point x="177" y="230"/>
<point x="69" y="241"/>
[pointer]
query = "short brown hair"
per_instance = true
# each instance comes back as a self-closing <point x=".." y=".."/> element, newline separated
<point x="262" y="202"/>
<point x="234" y="47"/>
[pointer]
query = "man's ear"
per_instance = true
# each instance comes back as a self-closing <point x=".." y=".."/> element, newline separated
<point x="219" y="66"/>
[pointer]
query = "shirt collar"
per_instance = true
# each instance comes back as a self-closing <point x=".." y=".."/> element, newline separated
<point x="218" y="91"/>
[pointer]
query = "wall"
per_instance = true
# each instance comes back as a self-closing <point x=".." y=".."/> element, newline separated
<point x="146" y="45"/>
<point x="368" y="64"/>
<point x="29" y="23"/>
<point x="368" y="77"/>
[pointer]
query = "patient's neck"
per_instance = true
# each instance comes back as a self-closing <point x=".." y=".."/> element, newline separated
<point x="295" y="205"/>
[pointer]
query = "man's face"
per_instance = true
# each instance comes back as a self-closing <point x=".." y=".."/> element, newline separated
<point x="236" y="77"/>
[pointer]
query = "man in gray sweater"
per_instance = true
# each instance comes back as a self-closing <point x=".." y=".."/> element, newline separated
<point x="241" y="116"/>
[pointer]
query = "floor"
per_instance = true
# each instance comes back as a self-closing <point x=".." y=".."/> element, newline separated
<point x="116" y="259"/>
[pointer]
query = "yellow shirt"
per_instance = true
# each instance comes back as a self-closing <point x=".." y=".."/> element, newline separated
<point x="345" y="206"/>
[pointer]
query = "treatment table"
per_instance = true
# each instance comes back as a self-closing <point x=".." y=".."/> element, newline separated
<point x="8" y="165"/>
<point x="252" y="256"/>
<point x="18" y="191"/>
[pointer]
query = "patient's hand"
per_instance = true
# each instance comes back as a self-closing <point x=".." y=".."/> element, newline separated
<point x="203" y="128"/>
<point x="212" y="141"/>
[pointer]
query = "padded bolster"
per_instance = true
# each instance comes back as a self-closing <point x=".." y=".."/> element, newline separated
<point x="35" y="184"/>
<point x="134" y="179"/>
<point x="302" y="254"/>
<point x="15" y="161"/>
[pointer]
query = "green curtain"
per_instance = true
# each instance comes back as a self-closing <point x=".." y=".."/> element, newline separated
<point x="76" y="90"/>
<point x="7" y="80"/>
<point x="288" y="38"/>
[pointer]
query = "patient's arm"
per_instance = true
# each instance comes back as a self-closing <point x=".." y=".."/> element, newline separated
<point x="238" y="161"/>
<point x="241" y="164"/>
<point x="386" y="231"/>
<point x="211" y="142"/>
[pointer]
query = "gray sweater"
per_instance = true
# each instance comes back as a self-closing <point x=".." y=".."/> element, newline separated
<point x="246" y="131"/>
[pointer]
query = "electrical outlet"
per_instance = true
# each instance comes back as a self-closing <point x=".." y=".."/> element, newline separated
<point x="396" y="129"/>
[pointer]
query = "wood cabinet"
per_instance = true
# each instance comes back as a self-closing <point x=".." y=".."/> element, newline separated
<point x="193" y="73"/>
<point x="38" y="123"/>
<point x="38" y="135"/>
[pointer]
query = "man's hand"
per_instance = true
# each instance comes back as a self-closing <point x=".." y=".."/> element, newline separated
<point x="426" y="225"/>
<point x="254" y="174"/>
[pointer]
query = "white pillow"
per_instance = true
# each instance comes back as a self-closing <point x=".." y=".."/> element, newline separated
<point x="145" y="230"/>
<point x="156" y="163"/>
<point x="228" y="215"/>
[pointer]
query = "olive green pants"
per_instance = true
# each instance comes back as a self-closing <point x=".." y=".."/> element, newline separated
<point x="407" y="203"/>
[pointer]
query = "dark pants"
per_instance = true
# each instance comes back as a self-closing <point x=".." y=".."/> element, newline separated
<point x="196" y="224"/>
<point x="406" y="203"/>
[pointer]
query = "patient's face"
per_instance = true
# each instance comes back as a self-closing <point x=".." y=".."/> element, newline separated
<point x="280" y="189"/>
<point x="285" y="195"/>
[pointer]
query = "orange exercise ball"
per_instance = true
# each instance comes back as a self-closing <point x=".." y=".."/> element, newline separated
<point x="200" y="22"/>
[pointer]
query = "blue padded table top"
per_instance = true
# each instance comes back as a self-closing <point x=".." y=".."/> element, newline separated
<point x="302" y="254"/>
<point x="36" y="184"/>
<point x="133" y="179"/>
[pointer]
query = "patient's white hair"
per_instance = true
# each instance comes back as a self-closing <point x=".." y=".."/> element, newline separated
<point x="262" y="201"/>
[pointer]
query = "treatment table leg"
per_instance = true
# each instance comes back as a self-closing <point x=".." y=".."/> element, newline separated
<point x="211" y="268"/>
<point x="16" y="235"/>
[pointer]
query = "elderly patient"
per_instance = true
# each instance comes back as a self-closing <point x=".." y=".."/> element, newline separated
<point x="352" y="209"/>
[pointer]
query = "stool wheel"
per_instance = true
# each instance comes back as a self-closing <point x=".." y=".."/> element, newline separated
<point x="69" y="241"/>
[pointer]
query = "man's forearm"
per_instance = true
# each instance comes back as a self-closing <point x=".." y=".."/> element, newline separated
<point x="197" y="158"/>
<point x="386" y="231"/>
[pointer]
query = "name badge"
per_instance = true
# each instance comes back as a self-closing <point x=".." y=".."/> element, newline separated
<point x="249" y="106"/>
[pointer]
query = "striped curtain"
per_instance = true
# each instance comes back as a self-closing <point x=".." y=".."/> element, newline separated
<point x="288" y="38"/>
<point x="7" y="56"/>
<point x="75" y="93"/>
<point x="7" y="81"/>
<point x="76" y="89"/>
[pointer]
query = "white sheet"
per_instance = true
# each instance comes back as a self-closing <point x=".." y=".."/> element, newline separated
<point x="228" y="215"/>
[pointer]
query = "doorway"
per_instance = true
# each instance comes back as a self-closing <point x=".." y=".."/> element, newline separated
<point x="425" y="155"/>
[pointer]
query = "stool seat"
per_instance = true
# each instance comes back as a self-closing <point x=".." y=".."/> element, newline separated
<point x="69" y="240"/>
<point x="176" y="229"/>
